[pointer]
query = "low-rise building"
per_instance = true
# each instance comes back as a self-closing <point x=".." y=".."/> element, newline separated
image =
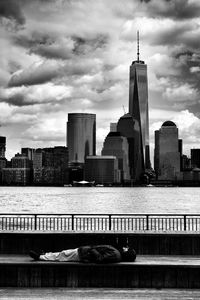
<point x="16" y="176"/>
<point x="102" y="169"/>
<point x="50" y="166"/>
<point x="19" y="171"/>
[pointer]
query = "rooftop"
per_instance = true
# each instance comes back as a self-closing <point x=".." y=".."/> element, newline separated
<point x="168" y="123"/>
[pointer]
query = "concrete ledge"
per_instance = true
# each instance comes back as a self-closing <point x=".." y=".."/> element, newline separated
<point x="146" y="272"/>
<point x="99" y="293"/>
<point x="141" y="260"/>
<point x="149" y="243"/>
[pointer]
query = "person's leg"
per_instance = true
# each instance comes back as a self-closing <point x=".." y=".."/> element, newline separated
<point x="65" y="255"/>
<point x="52" y="256"/>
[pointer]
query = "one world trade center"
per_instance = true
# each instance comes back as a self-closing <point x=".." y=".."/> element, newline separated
<point x="138" y="103"/>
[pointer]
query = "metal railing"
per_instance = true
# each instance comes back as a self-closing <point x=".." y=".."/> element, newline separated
<point x="100" y="222"/>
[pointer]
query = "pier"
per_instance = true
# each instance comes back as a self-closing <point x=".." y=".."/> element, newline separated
<point x="164" y="260"/>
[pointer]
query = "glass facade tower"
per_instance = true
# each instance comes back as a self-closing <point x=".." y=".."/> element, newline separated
<point x="138" y="104"/>
<point x="81" y="136"/>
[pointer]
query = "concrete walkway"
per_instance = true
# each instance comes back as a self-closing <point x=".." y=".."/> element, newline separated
<point x="97" y="294"/>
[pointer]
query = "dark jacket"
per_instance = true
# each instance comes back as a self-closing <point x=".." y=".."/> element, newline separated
<point x="99" y="254"/>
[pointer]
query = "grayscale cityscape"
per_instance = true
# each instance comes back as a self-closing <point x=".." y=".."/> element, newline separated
<point x="100" y="149"/>
<point x="125" y="155"/>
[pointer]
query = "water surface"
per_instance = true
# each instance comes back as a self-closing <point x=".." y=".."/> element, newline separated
<point x="70" y="200"/>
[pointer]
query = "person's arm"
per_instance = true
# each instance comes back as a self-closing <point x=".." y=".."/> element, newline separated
<point x="95" y="255"/>
<point x="105" y="254"/>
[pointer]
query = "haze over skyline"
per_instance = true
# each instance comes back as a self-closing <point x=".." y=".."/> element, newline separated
<point x="59" y="57"/>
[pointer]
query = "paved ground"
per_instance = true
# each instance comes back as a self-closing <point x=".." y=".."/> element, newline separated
<point x="97" y="294"/>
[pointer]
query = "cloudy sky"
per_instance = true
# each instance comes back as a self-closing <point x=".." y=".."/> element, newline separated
<point x="59" y="57"/>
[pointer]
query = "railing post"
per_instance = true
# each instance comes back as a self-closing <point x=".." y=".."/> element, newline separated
<point x="147" y="222"/>
<point x="72" y="222"/>
<point x="185" y="222"/>
<point x="110" y="223"/>
<point x="35" y="222"/>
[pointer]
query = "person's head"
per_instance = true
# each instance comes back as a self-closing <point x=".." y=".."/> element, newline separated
<point x="128" y="254"/>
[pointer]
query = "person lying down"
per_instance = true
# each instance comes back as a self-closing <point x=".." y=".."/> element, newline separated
<point x="86" y="254"/>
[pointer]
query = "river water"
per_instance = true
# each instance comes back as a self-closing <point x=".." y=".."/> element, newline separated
<point x="68" y="200"/>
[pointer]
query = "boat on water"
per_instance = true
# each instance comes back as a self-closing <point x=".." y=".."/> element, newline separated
<point x="150" y="185"/>
<point x="83" y="183"/>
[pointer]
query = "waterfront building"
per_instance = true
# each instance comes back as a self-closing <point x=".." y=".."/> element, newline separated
<point x="60" y="163"/>
<point x="19" y="173"/>
<point x="138" y="103"/>
<point x="180" y="149"/>
<point x="102" y="169"/>
<point x="117" y="145"/>
<point x="186" y="163"/>
<point x="28" y="152"/>
<point x="166" y="154"/>
<point x="16" y="176"/>
<point x="50" y="166"/>
<point x="2" y="146"/>
<point x="20" y="161"/>
<point x="3" y="163"/>
<point x="195" y="158"/>
<point x="81" y="136"/>
<point x="43" y="171"/>
<point x="75" y="172"/>
<point x="129" y="128"/>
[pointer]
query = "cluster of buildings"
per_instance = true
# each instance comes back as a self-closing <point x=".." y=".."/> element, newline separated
<point x="125" y="155"/>
<point x="45" y="166"/>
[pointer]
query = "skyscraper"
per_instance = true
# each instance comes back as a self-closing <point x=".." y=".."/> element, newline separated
<point x="129" y="128"/>
<point x="81" y="136"/>
<point x="2" y="146"/>
<point x="117" y="145"/>
<point x="195" y="158"/>
<point x="167" y="155"/>
<point x="138" y="102"/>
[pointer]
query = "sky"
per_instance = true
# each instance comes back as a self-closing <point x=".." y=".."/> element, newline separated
<point x="65" y="56"/>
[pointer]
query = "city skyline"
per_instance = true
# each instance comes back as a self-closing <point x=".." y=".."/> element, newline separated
<point x="56" y="61"/>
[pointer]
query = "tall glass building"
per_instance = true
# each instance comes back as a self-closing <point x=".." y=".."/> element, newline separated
<point x="129" y="127"/>
<point x="167" y="152"/>
<point x="81" y="136"/>
<point x="138" y="103"/>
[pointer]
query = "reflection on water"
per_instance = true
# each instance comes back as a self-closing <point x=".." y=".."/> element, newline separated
<point x="99" y="200"/>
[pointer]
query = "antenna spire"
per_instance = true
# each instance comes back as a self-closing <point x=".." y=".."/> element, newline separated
<point x="138" y="46"/>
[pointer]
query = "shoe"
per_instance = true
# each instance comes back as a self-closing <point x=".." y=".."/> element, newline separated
<point x="34" y="255"/>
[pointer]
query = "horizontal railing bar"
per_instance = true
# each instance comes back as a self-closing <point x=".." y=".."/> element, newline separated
<point x="68" y="214"/>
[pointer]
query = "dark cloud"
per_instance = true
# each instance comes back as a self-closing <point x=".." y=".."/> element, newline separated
<point x="86" y="45"/>
<point x="63" y="48"/>
<point x="10" y="9"/>
<point x="30" y="40"/>
<point x="38" y="73"/>
<point x="171" y="34"/>
<point x="175" y="9"/>
<point x="42" y="94"/>
<point x="52" y="51"/>
<point x="48" y="70"/>
<point x="13" y="66"/>
<point x="188" y="62"/>
<point x="18" y="100"/>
